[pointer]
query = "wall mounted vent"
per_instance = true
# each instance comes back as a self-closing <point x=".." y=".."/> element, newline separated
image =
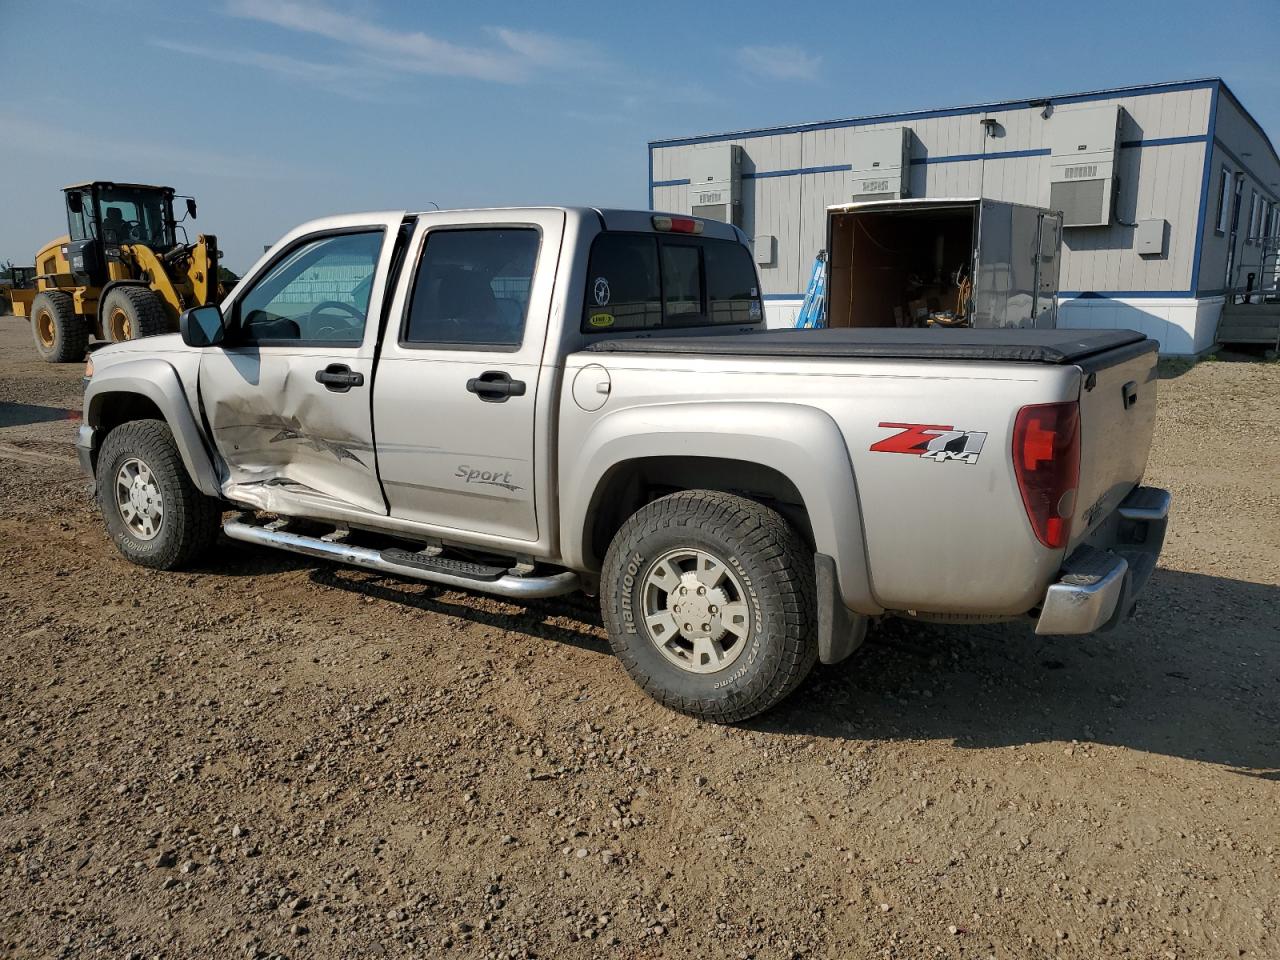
<point x="881" y="162"/>
<point x="1082" y="165"/>
<point x="715" y="182"/>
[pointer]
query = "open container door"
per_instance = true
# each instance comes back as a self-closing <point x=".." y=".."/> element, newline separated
<point x="900" y="263"/>
<point x="1048" y="268"/>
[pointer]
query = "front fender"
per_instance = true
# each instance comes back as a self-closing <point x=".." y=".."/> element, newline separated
<point x="802" y="443"/>
<point x="158" y="381"/>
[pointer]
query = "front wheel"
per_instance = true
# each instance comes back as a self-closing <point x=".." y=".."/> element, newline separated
<point x="131" y="312"/>
<point x="61" y="335"/>
<point x="710" y="605"/>
<point x="154" y="513"/>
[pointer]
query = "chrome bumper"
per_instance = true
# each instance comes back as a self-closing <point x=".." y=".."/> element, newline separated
<point x="1100" y="581"/>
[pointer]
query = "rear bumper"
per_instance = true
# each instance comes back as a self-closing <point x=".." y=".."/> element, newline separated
<point x="1101" y="580"/>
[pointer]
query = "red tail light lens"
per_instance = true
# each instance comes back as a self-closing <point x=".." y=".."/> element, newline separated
<point x="1046" y="461"/>
<point x="677" y="224"/>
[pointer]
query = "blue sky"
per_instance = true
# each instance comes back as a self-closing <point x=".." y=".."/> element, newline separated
<point x="275" y="111"/>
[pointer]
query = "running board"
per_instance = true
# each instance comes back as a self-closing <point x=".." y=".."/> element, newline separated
<point x="452" y="574"/>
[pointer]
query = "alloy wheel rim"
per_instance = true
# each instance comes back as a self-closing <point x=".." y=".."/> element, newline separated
<point x="695" y="610"/>
<point x="44" y="328"/>
<point x="121" y="329"/>
<point x="139" y="500"/>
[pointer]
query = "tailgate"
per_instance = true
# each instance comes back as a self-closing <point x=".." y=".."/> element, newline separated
<point x="1117" y="417"/>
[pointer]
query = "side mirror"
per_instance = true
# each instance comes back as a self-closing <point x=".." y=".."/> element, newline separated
<point x="75" y="202"/>
<point x="202" y="326"/>
<point x="191" y="207"/>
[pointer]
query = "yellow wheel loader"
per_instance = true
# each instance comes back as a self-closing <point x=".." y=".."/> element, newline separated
<point x="17" y="284"/>
<point x="120" y="272"/>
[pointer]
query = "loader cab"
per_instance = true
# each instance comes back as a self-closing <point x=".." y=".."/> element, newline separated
<point x="18" y="278"/>
<point x="103" y="216"/>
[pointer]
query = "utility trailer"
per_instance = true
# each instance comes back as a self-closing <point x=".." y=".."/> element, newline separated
<point x="956" y="263"/>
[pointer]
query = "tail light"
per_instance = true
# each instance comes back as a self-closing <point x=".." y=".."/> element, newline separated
<point x="1046" y="461"/>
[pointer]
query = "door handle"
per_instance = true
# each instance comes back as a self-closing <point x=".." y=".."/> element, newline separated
<point x="339" y="378"/>
<point x="494" y="386"/>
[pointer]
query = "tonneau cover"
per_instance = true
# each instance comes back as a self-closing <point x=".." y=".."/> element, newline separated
<point x="1025" y="346"/>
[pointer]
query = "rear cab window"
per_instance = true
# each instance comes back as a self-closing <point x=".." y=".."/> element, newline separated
<point x="645" y="281"/>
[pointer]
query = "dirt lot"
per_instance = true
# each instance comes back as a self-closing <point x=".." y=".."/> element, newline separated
<point x="274" y="757"/>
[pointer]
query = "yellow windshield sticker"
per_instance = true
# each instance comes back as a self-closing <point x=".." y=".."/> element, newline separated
<point x="602" y="319"/>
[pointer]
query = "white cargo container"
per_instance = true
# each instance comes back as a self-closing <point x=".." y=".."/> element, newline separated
<point x="965" y="262"/>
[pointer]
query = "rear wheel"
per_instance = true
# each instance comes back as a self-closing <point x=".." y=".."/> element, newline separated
<point x="132" y="312"/>
<point x="154" y="513"/>
<point x="60" y="335"/>
<point x="710" y="605"/>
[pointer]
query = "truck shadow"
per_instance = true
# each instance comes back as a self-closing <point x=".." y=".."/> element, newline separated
<point x="573" y="620"/>
<point x="24" y="414"/>
<point x="1195" y="675"/>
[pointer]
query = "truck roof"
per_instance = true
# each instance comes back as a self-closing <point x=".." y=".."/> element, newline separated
<point x="611" y="218"/>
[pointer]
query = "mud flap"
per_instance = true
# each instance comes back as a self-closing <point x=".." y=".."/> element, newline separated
<point x="840" y="630"/>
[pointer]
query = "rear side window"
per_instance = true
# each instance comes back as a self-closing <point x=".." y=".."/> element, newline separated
<point x="473" y="286"/>
<point x="639" y="281"/>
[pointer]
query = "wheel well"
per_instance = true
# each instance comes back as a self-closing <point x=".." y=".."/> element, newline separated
<point x="628" y="486"/>
<point x="118" y="408"/>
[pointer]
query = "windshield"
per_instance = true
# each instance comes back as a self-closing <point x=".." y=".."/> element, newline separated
<point x="131" y="215"/>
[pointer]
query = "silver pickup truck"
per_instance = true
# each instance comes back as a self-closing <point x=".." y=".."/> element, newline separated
<point x="534" y="401"/>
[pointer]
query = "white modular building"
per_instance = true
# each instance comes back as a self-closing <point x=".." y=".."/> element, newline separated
<point x="1169" y="192"/>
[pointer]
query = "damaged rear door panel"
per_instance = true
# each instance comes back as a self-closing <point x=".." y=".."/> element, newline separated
<point x="288" y="402"/>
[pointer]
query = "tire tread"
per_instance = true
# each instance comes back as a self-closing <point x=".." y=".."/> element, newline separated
<point x="195" y="517"/>
<point x="768" y="540"/>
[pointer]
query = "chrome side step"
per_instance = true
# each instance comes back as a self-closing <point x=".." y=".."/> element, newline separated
<point x="507" y="585"/>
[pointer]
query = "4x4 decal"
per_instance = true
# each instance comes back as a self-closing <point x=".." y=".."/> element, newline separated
<point x="932" y="441"/>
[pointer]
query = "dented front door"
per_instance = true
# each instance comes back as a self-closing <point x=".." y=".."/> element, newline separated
<point x="288" y="398"/>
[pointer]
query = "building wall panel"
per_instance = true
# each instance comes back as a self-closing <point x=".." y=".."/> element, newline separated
<point x="1160" y="168"/>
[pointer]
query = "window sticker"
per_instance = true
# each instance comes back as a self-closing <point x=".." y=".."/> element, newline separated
<point x="601" y="320"/>
<point x="601" y="291"/>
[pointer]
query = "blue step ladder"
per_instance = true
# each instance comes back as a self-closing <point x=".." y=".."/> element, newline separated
<point x="813" y="311"/>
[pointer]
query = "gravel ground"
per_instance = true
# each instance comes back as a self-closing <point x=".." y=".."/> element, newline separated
<point x="271" y="756"/>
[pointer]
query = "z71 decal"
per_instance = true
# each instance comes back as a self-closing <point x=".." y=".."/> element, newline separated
<point x="932" y="441"/>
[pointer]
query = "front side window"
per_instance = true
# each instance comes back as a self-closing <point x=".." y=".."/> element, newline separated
<point x="472" y="287"/>
<point x="317" y="293"/>
<point x="640" y="281"/>
<point x="129" y="215"/>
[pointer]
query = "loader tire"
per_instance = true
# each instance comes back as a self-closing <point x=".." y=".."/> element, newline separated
<point x="155" y="515"/>
<point x="129" y="313"/>
<point x="710" y="605"/>
<point x="60" y="335"/>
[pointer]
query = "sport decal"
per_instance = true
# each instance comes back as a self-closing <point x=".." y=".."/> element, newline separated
<point x="932" y="441"/>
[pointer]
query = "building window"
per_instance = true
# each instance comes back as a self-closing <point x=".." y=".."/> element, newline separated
<point x="1224" y="202"/>
<point x="1251" y="234"/>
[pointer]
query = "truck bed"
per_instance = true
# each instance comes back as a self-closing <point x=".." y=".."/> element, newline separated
<point x="1012" y="345"/>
